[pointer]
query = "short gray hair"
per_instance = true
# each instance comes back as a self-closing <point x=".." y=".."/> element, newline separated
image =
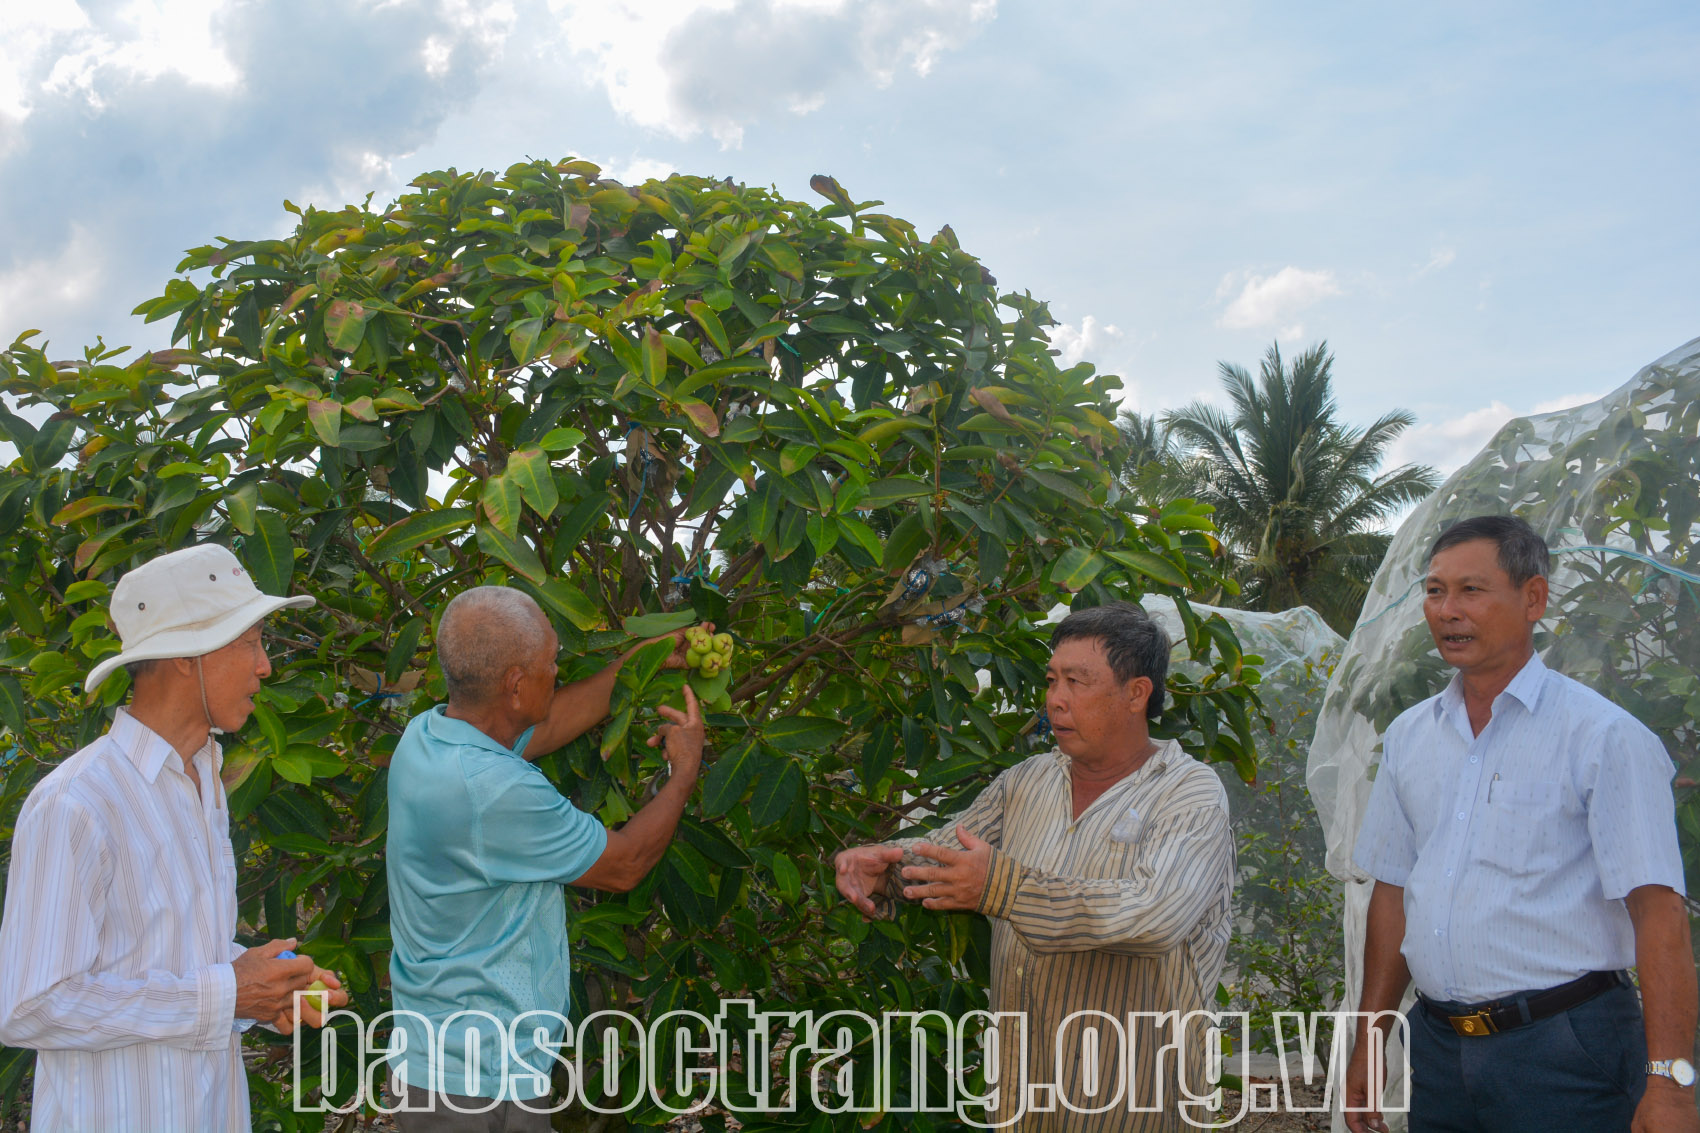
<point x="1134" y="645"/>
<point x="484" y="632"/>
<point x="1523" y="554"/>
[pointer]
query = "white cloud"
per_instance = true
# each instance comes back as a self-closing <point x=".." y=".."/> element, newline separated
<point x="164" y="123"/>
<point x="1448" y="445"/>
<point x="42" y="292"/>
<point x="1566" y="401"/>
<point x="1270" y="301"/>
<point x="634" y="170"/>
<point x="139" y="40"/>
<point x="717" y="65"/>
<point x="1439" y="261"/>
<point x="1086" y="343"/>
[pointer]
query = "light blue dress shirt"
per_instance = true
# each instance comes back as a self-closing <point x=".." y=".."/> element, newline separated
<point x="480" y="844"/>
<point x="1516" y="847"/>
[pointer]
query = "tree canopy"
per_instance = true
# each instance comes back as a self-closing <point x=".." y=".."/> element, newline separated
<point x="1299" y="495"/>
<point x="646" y="406"/>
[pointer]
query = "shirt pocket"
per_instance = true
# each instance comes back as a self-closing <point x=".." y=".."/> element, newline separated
<point x="1520" y="826"/>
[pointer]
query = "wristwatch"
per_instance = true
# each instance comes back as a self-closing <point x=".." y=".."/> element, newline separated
<point x="1678" y="1070"/>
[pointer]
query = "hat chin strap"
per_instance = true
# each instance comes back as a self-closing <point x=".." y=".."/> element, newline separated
<point x="200" y="674"/>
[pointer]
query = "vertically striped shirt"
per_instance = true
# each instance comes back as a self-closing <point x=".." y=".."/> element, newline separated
<point x="1123" y="910"/>
<point x="117" y="938"/>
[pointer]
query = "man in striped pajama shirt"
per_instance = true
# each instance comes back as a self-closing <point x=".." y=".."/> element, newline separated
<point x="117" y="954"/>
<point x="1107" y="867"/>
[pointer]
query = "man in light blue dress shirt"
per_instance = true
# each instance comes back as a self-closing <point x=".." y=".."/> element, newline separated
<point x="479" y="847"/>
<point x="1521" y="831"/>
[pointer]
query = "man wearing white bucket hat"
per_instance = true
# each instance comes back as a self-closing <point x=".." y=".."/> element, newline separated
<point x="117" y="959"/>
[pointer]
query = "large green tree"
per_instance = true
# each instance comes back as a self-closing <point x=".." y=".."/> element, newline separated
<point x="644" y="405"/>
<point x="1300" y="496"/>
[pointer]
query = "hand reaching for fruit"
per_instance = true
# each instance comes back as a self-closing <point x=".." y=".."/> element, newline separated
<point x="707" y="652"/>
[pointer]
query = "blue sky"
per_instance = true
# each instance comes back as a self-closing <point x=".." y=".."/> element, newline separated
<point x="1485" y="208"/>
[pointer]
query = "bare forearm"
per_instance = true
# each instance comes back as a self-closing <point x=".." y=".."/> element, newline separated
<point x="1386" y="975"/>
<point x="635" y="848"/>
<point x="1664" y="958"/>
<point x="576" y="708"/>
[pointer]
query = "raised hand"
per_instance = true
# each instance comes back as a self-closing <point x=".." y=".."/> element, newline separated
<point x="861" y="874"/>
<point x="959" y="879"/>
<point x="680" y="739"/>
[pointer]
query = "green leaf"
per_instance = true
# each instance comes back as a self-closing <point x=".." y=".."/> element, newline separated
<point x="1150" y="564"/>
<point x="907" y="541"/>
<point x="776" y="788"/>
<point x="522" y="339"/>
<point x="272" y="728"/>
<point x="884" y="493"/>
<point x="640" y="668"/>
<point x="501" y="499"/>
<point x="614" y="735"/>
<point x="270" y="553"/>
<point x="514" y="553"/>
<point x="13" y="711"/>
<point x="416" y="530"/>
<point x="530" y="469"/>
<point x="786" y="877"/>
<point x="241" y="505"/>
<point x="710" y="324"/>
<point x="345" y="326"/>
<point x="802" y="733"/>
<point x="653" y="625"/>
<point x="692" y="867"/>
<point x="561" y="440"/>
<point x="849" y="527"/>
<point x="570" y="602"/>
<point x="326" y="416"/>
<point x="292" y="767"/>
<point x="1075" y="567"/>
<point x="729" y="776"/>
<point x="87" y="506"/>
<point x="401" y="653"/>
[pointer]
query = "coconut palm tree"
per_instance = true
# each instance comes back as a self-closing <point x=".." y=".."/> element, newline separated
<point x="1298" y="494"/>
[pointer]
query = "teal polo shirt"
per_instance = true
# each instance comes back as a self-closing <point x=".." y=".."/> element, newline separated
<point x="480" y="844"/>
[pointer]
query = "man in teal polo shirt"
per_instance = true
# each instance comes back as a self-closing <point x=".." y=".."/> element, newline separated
<point x="480" y="844"/>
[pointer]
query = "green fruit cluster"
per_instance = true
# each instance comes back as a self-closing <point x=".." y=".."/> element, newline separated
<point x="709" y="654"/>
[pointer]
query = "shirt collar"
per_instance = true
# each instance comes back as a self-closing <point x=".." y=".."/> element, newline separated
<point x="1159" y="762"/>
<point x="145" y="748"/>
<point x="447" y="730"/>
<point x="1525" y="688"/>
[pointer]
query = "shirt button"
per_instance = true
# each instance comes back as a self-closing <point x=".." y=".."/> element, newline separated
<point x="1437" y="932"/>
<point x="1473" y="759"/>
<point x="1448" y="873"/>
<point x="1460" y="816"/>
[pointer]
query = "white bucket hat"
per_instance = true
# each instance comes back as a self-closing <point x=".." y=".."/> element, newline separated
<point x="185" y="604"/>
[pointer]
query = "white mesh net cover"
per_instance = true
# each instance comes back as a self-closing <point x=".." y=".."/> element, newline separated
<point x="1614" y="486"/>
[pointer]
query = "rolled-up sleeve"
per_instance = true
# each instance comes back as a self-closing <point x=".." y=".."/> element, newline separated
<point x="1387" y="842"/>
<point x="51" y="998"/>
<point x="1632" y="813"/>
<point x="1183" y="866"/>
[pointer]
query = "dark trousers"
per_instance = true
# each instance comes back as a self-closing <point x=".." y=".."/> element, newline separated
<point x="1581" y="1069"/>
<point x="505" y="1117"/>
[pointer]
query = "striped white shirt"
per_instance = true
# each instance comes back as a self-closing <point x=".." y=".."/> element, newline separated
<point x="1516" y="847"/>
<point x="117" y="938"/>
<point x="1125" y="909"/>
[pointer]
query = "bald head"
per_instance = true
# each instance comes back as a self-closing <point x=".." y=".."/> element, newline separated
<point x="485" y="632"/>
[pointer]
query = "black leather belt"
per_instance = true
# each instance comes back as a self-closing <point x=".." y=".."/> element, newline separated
<point x="1521" y="1010"/>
